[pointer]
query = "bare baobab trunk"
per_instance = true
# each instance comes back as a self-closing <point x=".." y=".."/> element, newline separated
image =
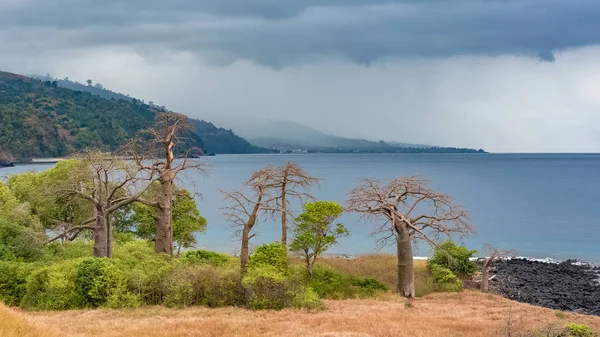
<point x="109" y="237"/>
<point x="164" y="219"/>
<point x="245" y="251"/>
<point x="100" y="233"/>
<point x="283" y="213"/>
<point x="406" y="281"/>
<point x="485" y="275"/>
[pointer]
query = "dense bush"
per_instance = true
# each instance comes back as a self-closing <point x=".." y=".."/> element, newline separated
<point x="267" y="288"/>
<point x="207" y="257"/>
<point x="99" y="282"/>
<point x="455" y="258"/>
<point x="202" y="285"/>
<point x="579" y="330"/>
<point x="52" y="287"/>
<point x="13" y="281"/>
<point x="328" y="283"/>
<point x="444" y="279"/>
<point x="272" y="254"/>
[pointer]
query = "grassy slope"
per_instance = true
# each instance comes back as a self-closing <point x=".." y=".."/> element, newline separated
<point x="467" y="314"/>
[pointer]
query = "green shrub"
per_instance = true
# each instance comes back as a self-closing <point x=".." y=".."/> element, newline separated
<point x="267" y="288"/>
<point x="306" y="297"/>
<point x="453" y="257"/>
<point x="445" y="279"/>
<point x="100" y="282"/>
<point x="60" y="251"/>
<point x="579" y="330"/>
<point x="52" y="287"/>
<point x="271" y="254"/>
<point x="13" y="281"/>
<point x="207" y="257"/>
<point x="187" y="285"/>
<point x="330" y="284"/>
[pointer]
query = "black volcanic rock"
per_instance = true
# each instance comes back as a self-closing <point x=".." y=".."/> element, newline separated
<point x="564" y="286"/>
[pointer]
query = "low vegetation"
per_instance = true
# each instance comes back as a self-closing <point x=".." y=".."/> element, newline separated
<point x="465" y="314"/>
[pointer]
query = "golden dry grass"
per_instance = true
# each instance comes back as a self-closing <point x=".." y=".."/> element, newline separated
<point x="383" y="268"/>
<point x="466" y="314"/>
<point x="14" y="324"/>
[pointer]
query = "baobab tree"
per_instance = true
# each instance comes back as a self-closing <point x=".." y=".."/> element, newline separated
<point x="492" y="253"/>
<point x="243" y="209"/>
<point x="291" y="182"/>
<point x="107" y="183"/>
<point x="155" y="151"/>
<point x="411" y="212"/>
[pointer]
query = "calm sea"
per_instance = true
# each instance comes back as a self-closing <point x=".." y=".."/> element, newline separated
<point x="543" y="205"/>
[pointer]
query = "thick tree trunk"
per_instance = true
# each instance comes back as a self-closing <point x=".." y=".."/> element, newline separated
<point x="406" y="280"/>
<point x="485" y="275"/>
<point x="283" y="215"/>
<point x="164" y="219"/>
<point x="109" y="237"/>
<point x="100" y="233"/>
<point x="245" y="251"/>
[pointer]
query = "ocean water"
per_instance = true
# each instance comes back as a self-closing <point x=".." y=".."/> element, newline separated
<point x="543" y="205"/>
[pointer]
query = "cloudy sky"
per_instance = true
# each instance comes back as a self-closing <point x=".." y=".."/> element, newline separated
<point x="505" y="75"/>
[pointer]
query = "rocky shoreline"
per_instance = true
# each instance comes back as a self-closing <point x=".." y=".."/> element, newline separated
<point x="568" y="285"/>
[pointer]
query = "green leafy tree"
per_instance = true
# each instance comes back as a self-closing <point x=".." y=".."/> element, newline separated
<point x="21" y="234"/>
<point x="314" y="232"/>
<point x="187" y="220"/>
<point x="63" y="216"/>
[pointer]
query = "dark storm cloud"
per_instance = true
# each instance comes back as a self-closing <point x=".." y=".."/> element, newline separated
<point x="281" y="31"/>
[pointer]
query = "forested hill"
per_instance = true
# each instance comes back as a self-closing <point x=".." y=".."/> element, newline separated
<point x="215" y="139"/>
<point x="42" y="119"/>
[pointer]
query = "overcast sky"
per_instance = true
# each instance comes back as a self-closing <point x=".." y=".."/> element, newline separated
<point x="504" y="75"/>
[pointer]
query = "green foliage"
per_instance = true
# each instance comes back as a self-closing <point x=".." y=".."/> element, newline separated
<point x="99" y="282"/>
<point x="13" y="281"/>
<point x="267" y="288"/>
<point x="60" y="251"/>
<point x="272" y="255"/>
<point x="445" y="279"/>
<point x="307" y="298"/>
<point x="139" y="219"/>
<point x="186" y="220"/>
<point x="330" y="284"/>
<point x="579" y="330"/>
<point x="202" y="285"/>
<point x="314" y="234"/>
<point x="456" y="258"/>
<point x="207" y="257"/>
<point x="52" y="287"/>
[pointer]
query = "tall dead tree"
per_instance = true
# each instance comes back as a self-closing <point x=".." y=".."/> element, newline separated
<point x="492" y="253"/>
<point x="108" y="183"/>
<point x="243" y="209"/>
<point x="156" y="150"/>
<point x="411" y="212"/>
<point x="290" y="182"/>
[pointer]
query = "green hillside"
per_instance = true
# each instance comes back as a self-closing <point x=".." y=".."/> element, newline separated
<point x="42" y="119"/>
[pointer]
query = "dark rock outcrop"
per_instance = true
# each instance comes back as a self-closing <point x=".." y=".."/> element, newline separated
<point x="564" y="286"/>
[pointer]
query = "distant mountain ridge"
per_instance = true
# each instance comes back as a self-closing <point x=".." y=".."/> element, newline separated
<point x="287" y="136"/>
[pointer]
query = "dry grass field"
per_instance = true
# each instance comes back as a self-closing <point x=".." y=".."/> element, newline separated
<point x="466" y="314"/>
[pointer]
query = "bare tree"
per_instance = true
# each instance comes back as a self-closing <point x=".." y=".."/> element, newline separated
<point x="242" y="209"/>
<point x="291" y="182"/>
<point x="492" y="253"/>
<point x="411" y="212"/>
<point x="155" y="150"/>
<point x="108" y="183"/>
